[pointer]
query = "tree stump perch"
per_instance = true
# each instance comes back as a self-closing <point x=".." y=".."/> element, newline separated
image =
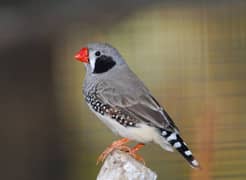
<point x="121" y="166"/>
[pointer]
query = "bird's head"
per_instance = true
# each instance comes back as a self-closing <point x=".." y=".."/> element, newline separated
<point x="99" y="57"/>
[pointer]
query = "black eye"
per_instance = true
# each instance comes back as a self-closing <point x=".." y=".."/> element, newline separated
<point x="97" y="53"/>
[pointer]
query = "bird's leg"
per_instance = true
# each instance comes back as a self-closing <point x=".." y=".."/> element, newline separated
<point x="133" y="151"/>
<point x="115" y="145"/>
<point x="137" y="147"/>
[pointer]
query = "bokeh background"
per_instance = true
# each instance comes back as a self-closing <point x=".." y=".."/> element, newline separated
<point x="191" y="55"/>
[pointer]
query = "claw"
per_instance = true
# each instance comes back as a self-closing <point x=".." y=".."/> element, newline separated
<point x="115" y="145"/>
<point x="120" y="146"/>
<point x="133" y="151"/>
<point x="137" y="157"/>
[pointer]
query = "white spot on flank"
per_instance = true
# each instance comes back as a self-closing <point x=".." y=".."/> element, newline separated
<point x="194" y="162"/>
<point x="164" y="133"/>
<point x="184" y="143"/>
<point x="177" y="145"/>
<point x="173" y="136"/>
<point x="188" y="153"/>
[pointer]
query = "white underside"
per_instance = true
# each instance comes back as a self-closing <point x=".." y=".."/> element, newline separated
<point x="142" y="133"/>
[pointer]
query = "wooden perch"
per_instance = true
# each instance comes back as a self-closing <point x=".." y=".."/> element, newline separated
<point x="121" y="166"/>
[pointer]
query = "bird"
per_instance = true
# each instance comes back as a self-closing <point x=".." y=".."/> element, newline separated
<point x="125" y="105"/>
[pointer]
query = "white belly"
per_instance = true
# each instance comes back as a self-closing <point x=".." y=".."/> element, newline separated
<point x="142" y="133"/>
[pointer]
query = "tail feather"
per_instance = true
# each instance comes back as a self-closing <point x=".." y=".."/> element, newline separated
<point x="177" y="142"/>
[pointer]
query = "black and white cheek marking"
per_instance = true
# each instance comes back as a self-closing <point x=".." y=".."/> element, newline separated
<point x="92" y="62"/>
<point x="100" y="63"/>
<point x="103" y="64"/>
<point x="93" y="55"/>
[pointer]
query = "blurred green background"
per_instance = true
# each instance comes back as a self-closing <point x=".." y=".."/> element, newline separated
<point x="190" y="54"/>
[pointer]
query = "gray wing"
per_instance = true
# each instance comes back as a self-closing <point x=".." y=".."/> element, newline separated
<point x="136" y="100"/>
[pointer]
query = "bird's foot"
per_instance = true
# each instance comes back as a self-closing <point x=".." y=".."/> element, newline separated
<point x="115" y="145"/>
<point x="120" y="146"/>
<point x="138" y="157"/>
<point x="133" y="151"/>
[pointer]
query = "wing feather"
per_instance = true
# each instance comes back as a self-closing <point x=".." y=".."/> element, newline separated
<point x="137" y="101"/>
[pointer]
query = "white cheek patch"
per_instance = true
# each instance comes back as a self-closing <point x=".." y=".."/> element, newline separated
<point x="92" y="63"/>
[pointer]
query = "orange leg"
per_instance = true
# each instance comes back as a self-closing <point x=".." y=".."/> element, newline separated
<point x="133" y="151"/>
<point x="137" y="147"/>
<point x="115" y="145"/>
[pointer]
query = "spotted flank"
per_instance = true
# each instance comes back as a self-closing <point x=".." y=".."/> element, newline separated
<point x="104" y="109"/>
<point x="177" y="142"/>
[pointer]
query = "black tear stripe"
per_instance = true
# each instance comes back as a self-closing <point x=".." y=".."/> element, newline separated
<point x="103" y="64"/>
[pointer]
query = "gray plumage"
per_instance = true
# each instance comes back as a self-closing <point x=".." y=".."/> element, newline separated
<point x="127" y="99"/>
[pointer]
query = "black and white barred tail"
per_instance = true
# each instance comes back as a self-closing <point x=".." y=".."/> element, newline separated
<point x="177" y="142"/>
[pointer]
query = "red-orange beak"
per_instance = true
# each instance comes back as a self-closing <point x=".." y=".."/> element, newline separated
<point x="83" y="55"/>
